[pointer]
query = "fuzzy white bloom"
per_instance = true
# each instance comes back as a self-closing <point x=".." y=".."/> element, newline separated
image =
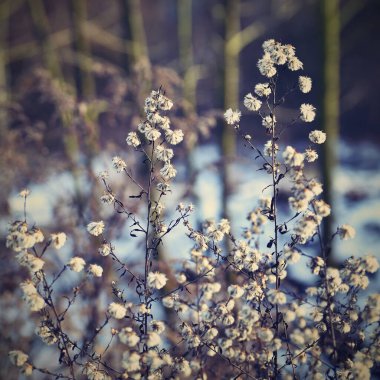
<point x="143" y="309"/>
<point x="292" y="158"/>
<point x="133" y="140"/>
<point x="157" y="280"/>
<point x="24" y="193"/>
<point x="181" y="278"/>
<point x="317" y="137"/>
<point x="168" y="171"/>
<point x="269" y="121"/>
<point x="371" y="264"/>
<point x="131" y="361"/>
<point x="346" y="232"/>
<point x="322" y="208"/>
<point x="268" y="151"/>
<point x="210" y="334"/>
<point x="304" y="84"/>
<point x="152" y="134"/>
<point x="164" y="154"/>
<point x="119" y="164"/>
<point x="183" y="367"/>
<point x="103" y="175"/>
<point x="31" y="296"/>
<point x="263" y="89"/>
<point x="294" y="64"/>
<point x="107" y="198"/>
<point x="224" y="226"/>
<point x="33" y="263"/>
<point x="307" y="112"/>
<point x="129" y="337"/>
<point x="164" y="103"/>
<point x="105" y="249"/>
<point x="265" y="334"/>
<point x="158" y="326"/>
<point x="235" y="291"/>
<point x="19" y="240"/>
<point x="26" y="369"/>
<point x="232" y="117"/>
<point x="277" y="297"/>
<point x="311" y="155"/>
<point x="58" y="240"/>
<point x="153" y="339"/>
<point x="315" y="187"/>
<point x="117" y="310"/>
<point x="46" y="334"/>
<point x="95" y="228"/>
<point x="18" y="358"/>
<point x="37" y="235"/>
<point x="174" y="137"/>
<point x="93" y="373"/>
<point x="95" y="270"/>
<point x="165" y="123"/>
<point x="266" y="66"/>
<point x="251" y="102"/>
<point x="76" y="264"/>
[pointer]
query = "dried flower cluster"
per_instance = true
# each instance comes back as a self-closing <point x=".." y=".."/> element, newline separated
<point x="232" y="310"/>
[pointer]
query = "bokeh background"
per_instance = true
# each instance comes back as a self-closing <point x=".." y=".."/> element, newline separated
<point x="73" y="77"/>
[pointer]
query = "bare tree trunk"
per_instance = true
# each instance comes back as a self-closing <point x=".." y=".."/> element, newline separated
<point x="231" y="92"/>
<point x="4" y="80"/>
<point x="330" y="102"/>
<point x="83" y="78"/>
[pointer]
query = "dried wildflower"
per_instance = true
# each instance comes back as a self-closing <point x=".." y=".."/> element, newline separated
<point x="152" y="134"/>
<point x="107" y="198"/>
<point x="133" y="140"/>
<point x="307" y="113"/>
<point x="168" y="171"/>
<point x="317" y="137"/>
<point x="251" y="102"/>
<point x="58" y="240"/>
<point x="269" y="121"/>
<point x="174" y="137"/>
<point x="105" y="249"/>
<point x="131" y="361"/>
<point x="294" y="64"/>
<point x="76" y="264"/>
<point x="157" y="280"/>
<point x="18" y="358"/>
<point x="47" y="334"/>
<point x="95" y="228"/>
<point x="346" y="232"/>
<point x="311" y="155"/>
<point x="232" y="117"/>
<point x="24" y="193"/>
<point x="263" y="89"/>
<point x="164" y="154"/>
<point x="304" y="84"/>
<point x="119" y="164"/>
<point x="31" y="296"/>
<point x="33" y="263"/>
<point x="95" y="270"/>
<point x="129" y="337"/>
<point x="117" y="310"/>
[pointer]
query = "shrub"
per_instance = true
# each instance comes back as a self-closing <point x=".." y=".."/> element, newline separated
<point x="230" y="310"/>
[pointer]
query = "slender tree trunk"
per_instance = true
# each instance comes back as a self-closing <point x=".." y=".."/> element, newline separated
<point x="330" y="102"/>
<point x="83" y="78"/>
<point x="42" y="29"/>
<point x="231" y="93"/>
<point x="4" y="79"/>
<point x="186" y="58"/>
